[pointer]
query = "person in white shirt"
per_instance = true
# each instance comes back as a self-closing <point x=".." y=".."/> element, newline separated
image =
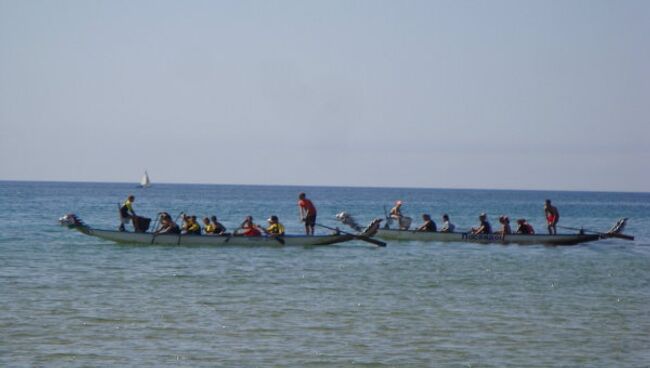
<point x="447" y="227"/>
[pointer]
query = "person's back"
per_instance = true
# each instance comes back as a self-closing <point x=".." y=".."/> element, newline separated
<point x="524" y="227"/>
<point x="218" y="227"/>
<point x="505" y="225"/>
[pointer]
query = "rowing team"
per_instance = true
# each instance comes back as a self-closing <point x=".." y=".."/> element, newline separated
<point x="211" y="226"/>
<point x="523" y="227"/>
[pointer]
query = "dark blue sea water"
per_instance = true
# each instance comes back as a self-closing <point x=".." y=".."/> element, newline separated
<point x="68" y="300"/>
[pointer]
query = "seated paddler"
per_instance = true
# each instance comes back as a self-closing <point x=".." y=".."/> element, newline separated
<point x="191" y="226"/>
<point x="219" y="229"/>
<point x="275" y="228"/>
<point x="523" y="227"/>
<point x="484" y="227"/>
<point x="249" y="228"/>
<point x="208" y="228"/>
<point x="167" y="225"/>
<point x="428" y="225"/>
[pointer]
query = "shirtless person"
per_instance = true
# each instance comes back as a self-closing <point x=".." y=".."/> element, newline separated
<point x="552" y="216"/>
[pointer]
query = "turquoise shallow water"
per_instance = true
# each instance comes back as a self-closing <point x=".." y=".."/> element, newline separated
<point x="67" y="300"/>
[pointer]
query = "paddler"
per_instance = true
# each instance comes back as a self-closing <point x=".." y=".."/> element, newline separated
<point x="191" y="226"/>
<point x="524" y="227"/>
<point x="552" y="216"/>
<point x="428" y="225"/>
<point x="484" y="227"/>
<point x="126" y="212"/>
<point x="275" y="227"/>
<point x="249" y="227"/>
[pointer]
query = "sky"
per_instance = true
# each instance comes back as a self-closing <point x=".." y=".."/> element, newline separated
<point x="549" y="95"/>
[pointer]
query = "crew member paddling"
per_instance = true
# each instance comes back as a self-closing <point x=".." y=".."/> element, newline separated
<point x="428" y="224"/>
<point x="249" y="228"/>
<point x="307" y="213"/>
<point x="484" y="227"/>
<point x="275" y="227"/>
<point x="126" y="212"/>
<point x="524" y="227"/>
<point x="552" y="216"/>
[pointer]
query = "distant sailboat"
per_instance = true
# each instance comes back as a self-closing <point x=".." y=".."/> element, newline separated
<point x="145" y="182"/>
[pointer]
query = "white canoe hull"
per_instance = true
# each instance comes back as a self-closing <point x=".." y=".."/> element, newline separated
<point x="559" y="239"/>
<point x="213" y="240"/>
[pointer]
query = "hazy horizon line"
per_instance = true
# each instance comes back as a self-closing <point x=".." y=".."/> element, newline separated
<point x="324" y="186"/>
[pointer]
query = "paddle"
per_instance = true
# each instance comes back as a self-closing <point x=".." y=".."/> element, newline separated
<point x="357" y="236"/>
<point x="608" y="235"/>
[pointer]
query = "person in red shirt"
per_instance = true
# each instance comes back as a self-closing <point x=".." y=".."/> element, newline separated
<point x="249" y="228"/>
<point x="307" y="213"/>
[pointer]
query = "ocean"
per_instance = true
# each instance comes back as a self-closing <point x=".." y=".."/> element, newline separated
<point x="69" y="300"/>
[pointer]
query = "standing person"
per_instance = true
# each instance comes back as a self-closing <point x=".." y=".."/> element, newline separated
<point x="126" y="212"/>
<point x="447" y="226"/>
<point x="307" y="213"/>
<point x="552" y="216"/>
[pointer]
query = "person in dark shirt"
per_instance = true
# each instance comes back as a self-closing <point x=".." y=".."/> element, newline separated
<point x="428" y="224"/>
<point x="484" y="227"/>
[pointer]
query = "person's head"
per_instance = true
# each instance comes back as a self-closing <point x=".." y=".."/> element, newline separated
<point x="482" y="216"/>
<point x="521" y="221"/>
<point x="131" y="198"/>
<point x="398" y="203"/>
<point x="213" y="218"/>
<point x="504" y="219"/>
<point x="193" y="218"/>
<point x="248" y="219"/>
<point x="206" y="221"/>
<point x="547" y="202"/>
<point x="426" y="217"/>
<point x="273" y="219"/>
<point x="445" y="217"/>
<point x="302" y="195"/>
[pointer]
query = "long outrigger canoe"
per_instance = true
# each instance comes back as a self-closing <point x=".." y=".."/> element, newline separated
<point x="582" y="236"/>
<point x="466" y="237"/>
<point x="73" y="222"/>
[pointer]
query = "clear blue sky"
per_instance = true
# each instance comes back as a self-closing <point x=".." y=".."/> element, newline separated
<point x="453" y="94"/>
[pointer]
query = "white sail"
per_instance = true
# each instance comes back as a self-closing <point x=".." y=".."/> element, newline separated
<point x="145" y="182"/>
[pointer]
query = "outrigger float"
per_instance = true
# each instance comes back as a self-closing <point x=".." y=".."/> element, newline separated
<point x="74" y="222"/>
<point x="582" y="236"/>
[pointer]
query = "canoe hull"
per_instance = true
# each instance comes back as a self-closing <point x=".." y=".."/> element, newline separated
<point x="209" y="240"/>
<point x="559" y="239"/>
